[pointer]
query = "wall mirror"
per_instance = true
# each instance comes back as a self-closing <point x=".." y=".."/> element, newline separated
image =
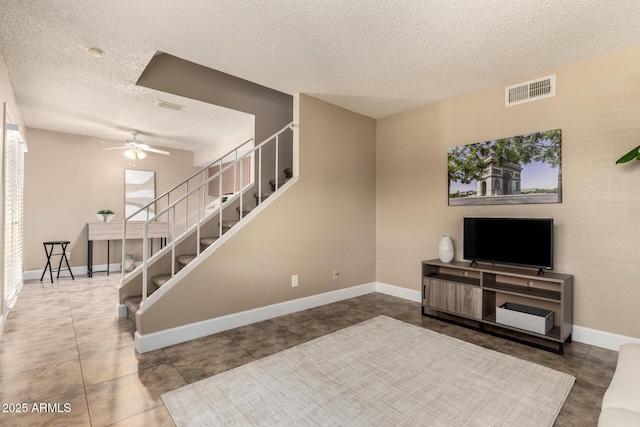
<point x="139" y="191"/>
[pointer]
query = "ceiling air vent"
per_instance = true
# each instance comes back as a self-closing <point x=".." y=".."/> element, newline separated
<point x="533" y="90"/>
<point x="169" y="105"/>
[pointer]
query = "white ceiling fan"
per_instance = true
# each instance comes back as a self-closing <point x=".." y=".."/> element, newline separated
<point x="137" y="149"/>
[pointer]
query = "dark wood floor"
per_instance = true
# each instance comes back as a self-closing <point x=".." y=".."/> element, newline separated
<point x="63" y="345"/>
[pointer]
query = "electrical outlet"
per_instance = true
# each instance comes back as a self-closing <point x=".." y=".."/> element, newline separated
<point x="294" y="280"/>
<point x="336" y="273"/>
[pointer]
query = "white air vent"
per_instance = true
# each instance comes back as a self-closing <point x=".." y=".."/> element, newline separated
<point x="533" y="90"/>
<point x="169" y="105"/>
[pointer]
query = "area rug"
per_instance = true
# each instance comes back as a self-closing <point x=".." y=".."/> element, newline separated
<point x="381" y="372"/>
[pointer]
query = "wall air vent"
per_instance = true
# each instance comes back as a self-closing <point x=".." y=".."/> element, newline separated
<point x="169" y="105"/>
<point x="533" y="90"/>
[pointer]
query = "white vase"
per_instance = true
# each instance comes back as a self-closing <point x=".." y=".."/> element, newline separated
<point x="129" y="263"/>
<point x="445" y="250"/>
<point x="104" y="217"/>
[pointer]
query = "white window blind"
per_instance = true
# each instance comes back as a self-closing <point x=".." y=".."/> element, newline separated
<point x="13" y="159"/>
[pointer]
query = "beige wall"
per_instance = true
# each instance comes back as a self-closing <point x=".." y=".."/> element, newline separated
<point x="68" y="178"/>
<point x="325" y="221"/>
<point x="597" y="233"/>
<point x="219" y="148"/>
<point x="272" y="109"/>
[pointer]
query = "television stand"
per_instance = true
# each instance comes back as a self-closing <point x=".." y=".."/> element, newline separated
<point x="467" y="295"/>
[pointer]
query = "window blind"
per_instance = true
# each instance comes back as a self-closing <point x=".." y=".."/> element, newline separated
<point x="13" y="159"/>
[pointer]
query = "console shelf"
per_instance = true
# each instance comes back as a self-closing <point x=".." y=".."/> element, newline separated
<point x="474" y="292"/>
<point x="542" y="294"/>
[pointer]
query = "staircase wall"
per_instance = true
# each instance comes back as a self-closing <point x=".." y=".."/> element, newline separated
<point x="325" y="221"/>
<point x="272" y="109"/>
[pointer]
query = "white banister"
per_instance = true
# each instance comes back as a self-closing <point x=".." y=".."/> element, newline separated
<point x="276" y="171"/>
<point x="194" y="221"/>
<point x="174" y="189"/>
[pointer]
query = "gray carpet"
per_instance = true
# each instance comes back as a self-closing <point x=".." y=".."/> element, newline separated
<point x="382" y="372"/>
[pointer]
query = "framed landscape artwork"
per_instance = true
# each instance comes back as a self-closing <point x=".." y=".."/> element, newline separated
<point x="515" y="170"/>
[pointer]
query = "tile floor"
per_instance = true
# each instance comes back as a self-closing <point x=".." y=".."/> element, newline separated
<point x="63" y="345"/>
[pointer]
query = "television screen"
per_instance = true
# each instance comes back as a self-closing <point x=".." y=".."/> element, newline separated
<point x="517" y="241"/>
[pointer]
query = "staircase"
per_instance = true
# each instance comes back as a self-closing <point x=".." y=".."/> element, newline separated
<point x="198" y="214"/>
<point x="181" y="261"/>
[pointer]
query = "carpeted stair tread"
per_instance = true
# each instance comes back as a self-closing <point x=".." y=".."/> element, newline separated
<point x="133" y="305"/>
<point x="208" y="241"/>
<point x="226" y="225"/>
<point x="160" y="279"/>
<point x="229" y="223"/>
<point x="185" y="259"/>
<point x="245" y="209"/>
<point x="281" y="182"/>
<point x="264" y="196"/>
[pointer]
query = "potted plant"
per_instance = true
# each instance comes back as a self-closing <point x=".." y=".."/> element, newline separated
<point x="105" y="215"/>
<point x="633" y="154"/>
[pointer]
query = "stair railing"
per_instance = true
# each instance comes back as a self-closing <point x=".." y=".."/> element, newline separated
<point x="204" y="211"/>
<point x="176" y="191"/>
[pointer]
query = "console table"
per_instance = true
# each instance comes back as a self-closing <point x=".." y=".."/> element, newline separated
<point x="475" y="292"/>
<point x="114" y="231"/>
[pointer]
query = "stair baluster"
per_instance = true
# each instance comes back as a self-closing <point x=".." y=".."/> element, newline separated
<point x="203" y="216"/>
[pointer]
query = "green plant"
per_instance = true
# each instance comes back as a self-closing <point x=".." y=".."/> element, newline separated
<point x="105" y="212"/>
<point x="633" y="154"/>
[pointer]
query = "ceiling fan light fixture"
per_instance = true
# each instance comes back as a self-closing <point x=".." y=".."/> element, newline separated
<point x="141" y="154"/>
<point x="130" y="154"/>
<point x="95" y="52"/>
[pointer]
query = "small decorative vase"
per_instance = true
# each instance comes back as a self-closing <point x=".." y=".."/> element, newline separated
<point x="445" y="250"/>
<point x="105" y="217"/>
<point x="129" y="263"/>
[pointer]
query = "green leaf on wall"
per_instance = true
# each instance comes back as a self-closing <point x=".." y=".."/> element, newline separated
<point x="633" y="154"/>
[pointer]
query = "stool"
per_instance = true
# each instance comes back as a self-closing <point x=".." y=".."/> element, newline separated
<point x="48" y="249"/>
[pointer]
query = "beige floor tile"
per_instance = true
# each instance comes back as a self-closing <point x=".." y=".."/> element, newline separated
<point x="124" y="397"/>
<point x="41" y="383"/>
<point x="104" y="340"/>
<point x="156" y="417"/>
<point x="110" y="364"/>
<point x="41" y="356"/>
<point x="33" y="341"/>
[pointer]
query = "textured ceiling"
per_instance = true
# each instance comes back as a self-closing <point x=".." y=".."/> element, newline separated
<point x="370" y="56"/>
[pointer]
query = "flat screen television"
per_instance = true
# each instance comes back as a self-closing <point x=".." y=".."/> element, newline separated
<point x="524" y="242"/>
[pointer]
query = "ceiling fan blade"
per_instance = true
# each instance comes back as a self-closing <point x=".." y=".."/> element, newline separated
<point x="115" y="148"/>
<point x="154" y="150"/>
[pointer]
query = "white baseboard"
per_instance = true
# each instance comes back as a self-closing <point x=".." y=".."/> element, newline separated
<point x="121" y="311"/>
<point x="149" y="342"/>
<point x="77" y="271"/>
<point x="399" y="292"/>
<point x="601" y="338"/>
<point x="156" y="340"/>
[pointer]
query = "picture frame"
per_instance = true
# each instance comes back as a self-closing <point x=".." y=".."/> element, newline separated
<point x="523" y="169"/>
<point x="139" y="191"/>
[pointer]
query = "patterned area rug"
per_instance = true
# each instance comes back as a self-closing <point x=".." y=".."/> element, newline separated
<point x="382" y="372"/>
